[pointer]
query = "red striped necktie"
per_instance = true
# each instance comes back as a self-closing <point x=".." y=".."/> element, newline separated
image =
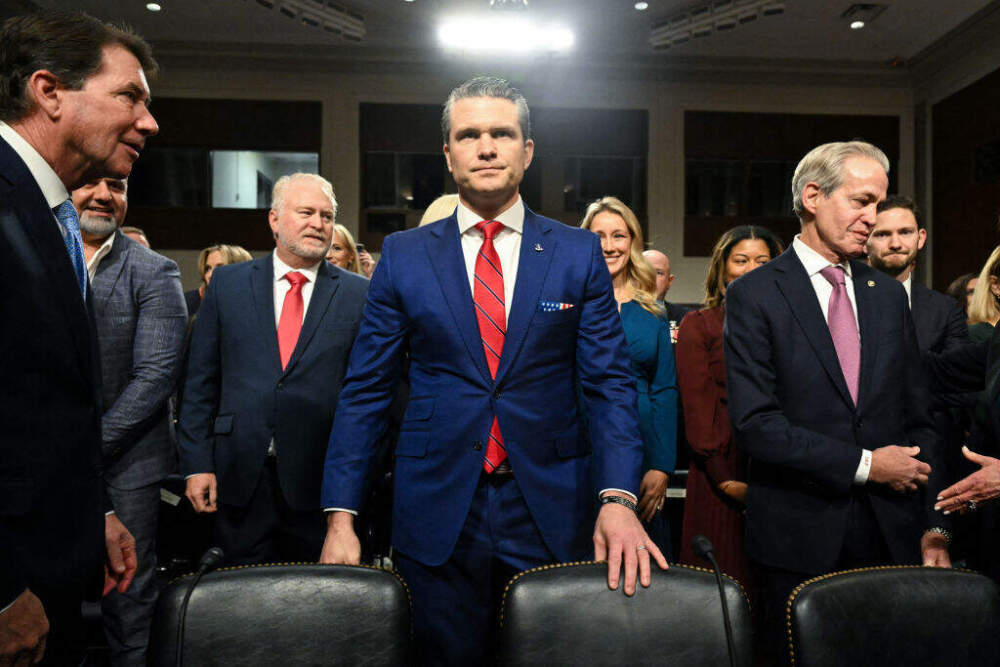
<point x="488" y="296"/>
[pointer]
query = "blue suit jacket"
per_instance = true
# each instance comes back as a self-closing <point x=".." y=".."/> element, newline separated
<point x="420" y="302"/>
<point x="236" y="395"/>
<point x="51" y="491"/>
<point x="792" y="414"/>
<point x="141" y="321"/>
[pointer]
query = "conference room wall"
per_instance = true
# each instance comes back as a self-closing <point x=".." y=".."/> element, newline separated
<point x="341" y="93"/>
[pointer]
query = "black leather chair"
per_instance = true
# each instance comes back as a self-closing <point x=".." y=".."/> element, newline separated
<point x="565" y="615"/>
<point x="891" y="616"/>
<point x="295" y="614"/>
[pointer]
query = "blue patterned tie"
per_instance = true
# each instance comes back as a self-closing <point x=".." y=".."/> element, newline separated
<point x="66" y="214"/>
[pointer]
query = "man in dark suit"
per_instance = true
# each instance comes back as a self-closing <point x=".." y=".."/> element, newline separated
<point x="892" y="248"/>
<point x="268" y="356"/>
<point x="73" y="108"/>
<point x="664" y="279"/>
<point x="141" y="319"/>
<point x="502" y="312"/>
<point x="827" y="394"/>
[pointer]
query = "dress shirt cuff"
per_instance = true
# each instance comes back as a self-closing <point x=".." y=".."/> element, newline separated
<point x="864" y="467"/>
<point x="11" y="603"/>
<point x="627" y="493"/>
<point x="109" y="513"/>
<point x="340" y="509"/>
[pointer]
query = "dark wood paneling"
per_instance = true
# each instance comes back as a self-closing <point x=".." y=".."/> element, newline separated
<point x="253" y="125"/>
<point x="197" y="228"/>
<point x="965" y="210"/>
<point x="713" y="135"/>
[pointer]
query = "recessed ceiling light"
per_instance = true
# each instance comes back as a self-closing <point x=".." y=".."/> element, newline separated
<point x="153" y="7"/>
<point x="857" y="25"/>
<point x="641" y="6"/>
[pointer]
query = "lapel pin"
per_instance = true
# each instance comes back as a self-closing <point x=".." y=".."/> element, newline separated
<point x="871" y="283"/>
<point x="538" y="247"/>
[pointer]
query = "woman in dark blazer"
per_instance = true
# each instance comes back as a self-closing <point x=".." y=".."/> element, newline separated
<point x="716" y="489"/>
<point x="647" y="333"/>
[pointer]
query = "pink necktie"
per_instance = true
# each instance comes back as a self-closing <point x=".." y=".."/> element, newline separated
<point x="290" y="322"/>
<point x="844" y="329"/>
<point x="488" y="297"/>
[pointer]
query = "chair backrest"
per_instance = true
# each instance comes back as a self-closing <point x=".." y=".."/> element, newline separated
<point x="566" y="615"/>
<point x="305" y="614"/>
<point x="895" y="616"/>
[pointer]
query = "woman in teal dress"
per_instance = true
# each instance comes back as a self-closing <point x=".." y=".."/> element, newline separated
<point x="647" y="333"/>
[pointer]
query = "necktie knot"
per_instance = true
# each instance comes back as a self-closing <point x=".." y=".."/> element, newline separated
<point x="67" y="216"/>
<point x="296" y="279"/>
<point x="489" y="228"/>
<point x="834" y="275"/>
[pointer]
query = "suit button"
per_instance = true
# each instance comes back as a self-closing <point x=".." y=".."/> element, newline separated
<point x="860" y="423"/>
<point x="497" y="395"/>
<point x="477" y="445"/>
<point x="281" y="385"/>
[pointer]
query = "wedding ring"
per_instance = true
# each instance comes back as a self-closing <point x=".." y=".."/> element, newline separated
<point x="971" y="504"/>
<point x="640" y="547"/>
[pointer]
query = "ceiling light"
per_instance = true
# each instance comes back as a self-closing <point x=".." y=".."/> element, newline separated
<point x="322" y="15"/>
<point x="857" y="25"/>
<point x="153" y="7"/>
<point x="860" y="15"/>
<point x="708" y="17"/>
<point x="516" y="34"/>
<point x="642" y="6"/>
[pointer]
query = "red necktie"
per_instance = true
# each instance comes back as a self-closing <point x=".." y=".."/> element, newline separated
<point x="489" y="299"/>
<point x="290" y="322"/>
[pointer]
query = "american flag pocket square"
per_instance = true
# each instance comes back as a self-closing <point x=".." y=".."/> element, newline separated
<point x="552" y="306"/>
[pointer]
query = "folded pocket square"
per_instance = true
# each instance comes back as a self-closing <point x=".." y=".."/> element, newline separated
<point x="551" y="306"/>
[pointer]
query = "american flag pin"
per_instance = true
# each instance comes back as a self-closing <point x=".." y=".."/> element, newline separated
<point x="538" y="247"/>
<point x="871" y="283"/>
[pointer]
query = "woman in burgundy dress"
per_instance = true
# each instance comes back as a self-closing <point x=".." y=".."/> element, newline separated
<point x="716" y="486"/>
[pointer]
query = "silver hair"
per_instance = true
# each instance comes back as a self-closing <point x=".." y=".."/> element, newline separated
<point x="281" y="186"/>
<point x="487" y="86"/>
<point x="824" y="166"/>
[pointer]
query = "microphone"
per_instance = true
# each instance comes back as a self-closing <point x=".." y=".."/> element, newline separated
<point x="703" y="549"/>
<point x="209" y="561"/>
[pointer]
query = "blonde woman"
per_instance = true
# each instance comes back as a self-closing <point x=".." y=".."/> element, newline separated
<point x="440" y="208"/>
<point x="648" y="335"/>
<point x="343" y="251"/>
<point x="984" y="306"/>
<point x="209" y="259"/>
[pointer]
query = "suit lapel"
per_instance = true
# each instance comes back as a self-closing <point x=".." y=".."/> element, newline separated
<point x="326" y="286"/>
<point x="795" y="285"/>
<point x="39" y="224"/>
<point x="868" y="315"/>
<point x="921" y="315"/>
<point x="109" y="271"/>
<point x="262" y="291"/>
<point x="532" y="268"/>
<point x="444" y="248"/>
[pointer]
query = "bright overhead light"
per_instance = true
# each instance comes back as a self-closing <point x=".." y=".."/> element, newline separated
<point x="513" y="34"/>
<point x="642" y="6"/>
<point x="857" y="25"/>
<point x="153" y="7"/>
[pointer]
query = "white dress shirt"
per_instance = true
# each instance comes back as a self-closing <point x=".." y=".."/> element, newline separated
<point x="814" y="263"/>
<point x="281" y="286"/>
<point x="908" y="286"/>
<point x="101" y="253"/>
<point x="507" y="243"/>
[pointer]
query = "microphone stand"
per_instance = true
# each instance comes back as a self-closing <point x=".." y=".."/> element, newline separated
<point x="209" y="561"/>
<point x="703" y="547"/>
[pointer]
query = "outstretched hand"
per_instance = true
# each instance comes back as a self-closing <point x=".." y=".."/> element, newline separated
<point x="618" y="537"/>
<point x="980" y="486"/>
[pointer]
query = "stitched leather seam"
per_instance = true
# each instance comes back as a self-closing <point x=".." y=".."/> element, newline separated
<point x="554" y="566"/>
<point x="830" y="575"/>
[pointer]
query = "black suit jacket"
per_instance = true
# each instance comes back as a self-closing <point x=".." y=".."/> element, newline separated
<point x="939" y="322"/>
<point x="236" y="395"/>
<point x="51" y="491"/>
<point x="793" y="415"/>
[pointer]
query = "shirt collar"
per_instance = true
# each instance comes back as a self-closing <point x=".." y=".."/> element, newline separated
<point x="52" y="188"/>
<point x="101" y="253"/>
<point x="908" y="286"/>
<point x="813" y="261"/>
<point x="512" y="218"/>
<point x="280" y="269"/>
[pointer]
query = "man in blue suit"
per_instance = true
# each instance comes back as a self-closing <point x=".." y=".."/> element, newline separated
<point x="504" y="314"/>
<point x="73" y="108"/>
<point x="827" y="394"/>
<point x="141" y="321"/>
<point x="268" y="356"/>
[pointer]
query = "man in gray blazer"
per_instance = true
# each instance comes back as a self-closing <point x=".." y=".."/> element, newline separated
<point x="141" y="319"/>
